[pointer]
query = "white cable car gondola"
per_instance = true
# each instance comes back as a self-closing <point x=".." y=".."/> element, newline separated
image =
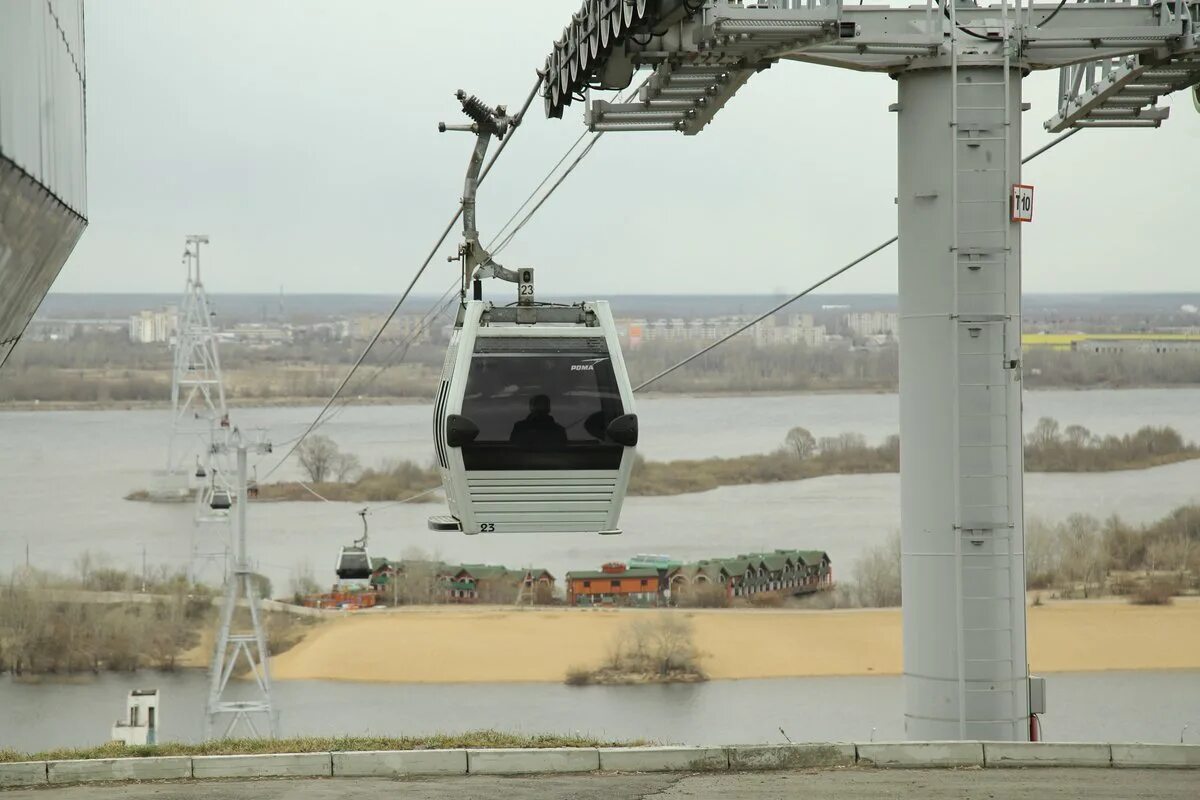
<point x="221" y="500"/>
<point x="354" y="562"/>
<point x="534" y="426"/>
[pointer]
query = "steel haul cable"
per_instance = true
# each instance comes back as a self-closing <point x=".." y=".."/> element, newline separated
<point x="822" y="282"/>
<point x="408" y="290"/>
<point x="483" y="174"/>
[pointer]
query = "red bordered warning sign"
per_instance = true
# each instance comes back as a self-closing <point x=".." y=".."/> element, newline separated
<point x="1022" y="203"/>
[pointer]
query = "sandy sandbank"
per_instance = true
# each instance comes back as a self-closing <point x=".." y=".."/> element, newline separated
<point x="495" y="644"/>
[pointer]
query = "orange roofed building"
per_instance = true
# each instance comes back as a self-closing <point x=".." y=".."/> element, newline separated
<point x="615" y="584"/>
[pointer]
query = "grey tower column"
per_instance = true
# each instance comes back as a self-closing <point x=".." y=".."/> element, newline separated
<point x="965" y="670"/>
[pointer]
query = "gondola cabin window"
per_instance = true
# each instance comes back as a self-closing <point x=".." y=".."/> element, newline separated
<point x="541" y="403"/>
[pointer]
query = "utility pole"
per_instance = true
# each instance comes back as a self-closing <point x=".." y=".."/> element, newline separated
<point x="961" y="202"/>
<point x="249" y="642"/>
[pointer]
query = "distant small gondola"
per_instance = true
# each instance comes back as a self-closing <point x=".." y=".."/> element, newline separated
<point x="354" y="562"/>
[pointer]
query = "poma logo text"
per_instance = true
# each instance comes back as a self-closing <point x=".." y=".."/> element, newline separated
<point x="583" y="367"/>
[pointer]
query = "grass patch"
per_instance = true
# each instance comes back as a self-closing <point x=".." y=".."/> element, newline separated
<point x="395" y="480"/>
<point x="319" y="744"/>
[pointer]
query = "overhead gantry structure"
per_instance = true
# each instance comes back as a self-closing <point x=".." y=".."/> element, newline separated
<point x="959" y="70"/>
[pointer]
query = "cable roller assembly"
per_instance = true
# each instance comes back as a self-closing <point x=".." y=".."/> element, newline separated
<point x="487" y="119"/>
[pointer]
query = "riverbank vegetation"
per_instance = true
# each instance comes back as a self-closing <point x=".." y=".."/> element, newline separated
<point x="658" y="649"/>
<point x="1050" y="447"/>
<point x="54" y="625"/>
<point x="319" y="744"/>
<point x="108" y="370"/>
<point x="1082" y="557"/>
<point x="103" y="619"/>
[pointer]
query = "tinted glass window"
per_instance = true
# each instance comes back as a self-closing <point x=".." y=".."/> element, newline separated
<point x="541" y="404"/>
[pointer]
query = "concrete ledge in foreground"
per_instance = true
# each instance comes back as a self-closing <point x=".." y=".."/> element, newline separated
<point x="920" y="754"/>
<point x="787" y="756"/>
<point x="395" y="763"/>
<point x="663" y="759"/>
<point x="1156" y="755"/>
<point x="517" y="761"/>
<point x="1041" y="754"/>
<point x="88" y="770"/>
<point x="23" y="773"/>
<point x="514" y="761"/>
<point x="284" y="765"/>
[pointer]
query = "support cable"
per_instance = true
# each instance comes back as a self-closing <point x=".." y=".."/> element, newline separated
<point x="430" y="315"/>
<point x="823" y="281"/>
<point x="546" y="196"/>
<point x="536" y="189"/>
<point x="404" y="296"/>
<point x="483" y="174"/>
<point x="768" y="313"/>
<point x="554" y="187"/>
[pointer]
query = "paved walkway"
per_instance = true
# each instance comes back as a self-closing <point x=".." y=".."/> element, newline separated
<point x="848" y="784"/>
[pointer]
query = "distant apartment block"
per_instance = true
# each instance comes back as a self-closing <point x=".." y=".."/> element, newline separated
<point x="792" y="330"/>
<point x="148" y="327"/>
<point x="868" y="324"/>
<point x="64" y="330"/>
<point x="401" y="327"/>
<point x="260" y="334"/>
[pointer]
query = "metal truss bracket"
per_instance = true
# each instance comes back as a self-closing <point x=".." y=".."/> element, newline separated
<point x="1123" y="91"/>
<point x="701" y="53"/>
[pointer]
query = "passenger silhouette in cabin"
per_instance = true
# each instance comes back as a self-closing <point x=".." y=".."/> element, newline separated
<point x="539" y="430"/>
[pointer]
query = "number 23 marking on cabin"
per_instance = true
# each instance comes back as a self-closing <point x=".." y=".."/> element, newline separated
<point x="1022" y="203"/>
<point x="487" y="527"/>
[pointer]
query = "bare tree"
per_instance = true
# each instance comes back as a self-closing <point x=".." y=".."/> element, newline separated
<point x="877" y="574"/>
<point x="1041" y="552"/>
<point x="303" y="582"/>
<point x="1082" y="558"/>
<point x="1044" y="433"/>
<point x="419" y="578"/>
<point x="801" y="443"/>
<point x="345" y="467"/>
<point x="1077" y="435"/>
<point x="1171" y="552"/>
<point x="318" y="456"/>
<point x="662" y="644"/>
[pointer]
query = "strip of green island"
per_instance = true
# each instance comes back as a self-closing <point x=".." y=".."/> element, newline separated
<point x="1049" y="447"/>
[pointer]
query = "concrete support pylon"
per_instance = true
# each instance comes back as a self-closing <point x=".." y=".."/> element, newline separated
<point x="961" y="469"/>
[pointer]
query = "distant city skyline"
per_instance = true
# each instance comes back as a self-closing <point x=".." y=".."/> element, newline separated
<point x="301" y="136"/>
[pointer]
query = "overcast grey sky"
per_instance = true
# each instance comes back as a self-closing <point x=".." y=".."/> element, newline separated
<point x="301" y="136"/>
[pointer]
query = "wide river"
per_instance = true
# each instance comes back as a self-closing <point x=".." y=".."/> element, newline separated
<point x="63" y="475"/>
<point x="1108" y="706"/>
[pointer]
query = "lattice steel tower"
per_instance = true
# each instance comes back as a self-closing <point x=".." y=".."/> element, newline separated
<point x="197" y="389"/>
<point x="248" y="642"/>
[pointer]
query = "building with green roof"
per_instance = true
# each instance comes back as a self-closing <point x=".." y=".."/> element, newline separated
<point x="790" y="572"/>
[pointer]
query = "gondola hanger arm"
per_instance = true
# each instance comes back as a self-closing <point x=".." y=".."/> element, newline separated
<point x="487" y="122"/>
